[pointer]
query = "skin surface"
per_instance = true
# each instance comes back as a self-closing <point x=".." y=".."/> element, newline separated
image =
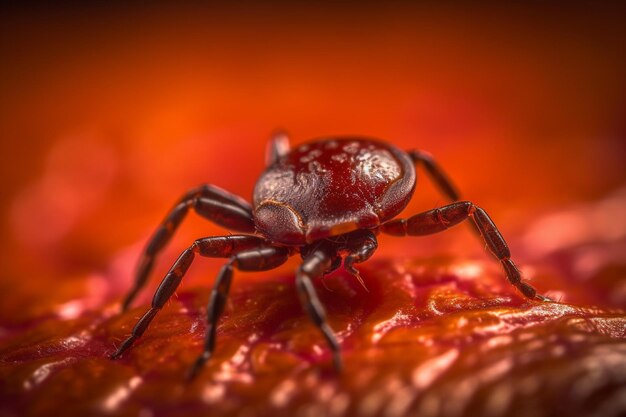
<point x="437" y="337"/>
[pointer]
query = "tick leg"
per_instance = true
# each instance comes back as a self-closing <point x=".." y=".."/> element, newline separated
<point x="259" y="259"/>
<point x="313" y="267"/>
<point x="210" y="202"/>
<point x="436" y="173"/>
<point x="277" y="147"/>
<point x="217" y="247"/>
<point x="360" y="251"/>
<point x="442" y="218"/>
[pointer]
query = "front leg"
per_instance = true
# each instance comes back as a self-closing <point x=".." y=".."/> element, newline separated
<point x="214" y="247"/>
<point x="439" y="219"/>
<point x="360" y="250"/>
<point x="314" y="266"/>
<point x="208" y="201"/>
<point x="258" y="259"/>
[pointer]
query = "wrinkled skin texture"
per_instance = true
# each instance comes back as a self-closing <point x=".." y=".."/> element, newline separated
<point x="437" y="337"/>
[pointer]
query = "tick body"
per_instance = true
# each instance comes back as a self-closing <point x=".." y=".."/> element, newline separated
<point x="331" y="187"/>
<point x="326" y="200"/>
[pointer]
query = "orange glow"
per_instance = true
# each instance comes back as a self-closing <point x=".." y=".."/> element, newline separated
<point x="109" y="114"/>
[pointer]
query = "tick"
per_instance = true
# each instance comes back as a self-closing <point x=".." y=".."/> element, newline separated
<point x="326" y="200"/>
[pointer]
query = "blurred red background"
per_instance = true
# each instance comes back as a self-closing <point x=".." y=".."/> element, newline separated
<point x="109" y="113"/>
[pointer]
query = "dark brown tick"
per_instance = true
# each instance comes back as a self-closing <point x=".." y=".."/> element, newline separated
<point x="327" y="200"/>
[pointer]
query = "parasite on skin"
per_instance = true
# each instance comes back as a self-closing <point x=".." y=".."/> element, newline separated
<point x="326" y="200"/>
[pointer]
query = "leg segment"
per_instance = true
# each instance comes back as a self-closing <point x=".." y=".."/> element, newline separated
<point x="436" y="173"/>
<point x="210" y="202"/>
<point x="277" y="147"/>
<point x="218" y="247"/>
<point x="314" y="266"/>
<point x="360" y="251"/>
<point x="442" y="218"/>
<point x="260" y="259"/>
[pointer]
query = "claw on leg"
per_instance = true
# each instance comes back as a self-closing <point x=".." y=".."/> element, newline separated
<point x="197" y="366"/>
<point x="360" y="251"/>
<point x="543" y="298"/>
<point x="355" y="273"/>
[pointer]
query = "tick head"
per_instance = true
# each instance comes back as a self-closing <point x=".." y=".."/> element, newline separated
<point x="280" y="223"/>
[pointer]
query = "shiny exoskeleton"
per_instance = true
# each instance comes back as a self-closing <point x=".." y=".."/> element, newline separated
<point x="327" y="200"/>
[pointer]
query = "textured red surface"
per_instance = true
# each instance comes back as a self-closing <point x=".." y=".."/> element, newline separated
<point x="109" y="114"/>
<point x="436" y="336"/>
